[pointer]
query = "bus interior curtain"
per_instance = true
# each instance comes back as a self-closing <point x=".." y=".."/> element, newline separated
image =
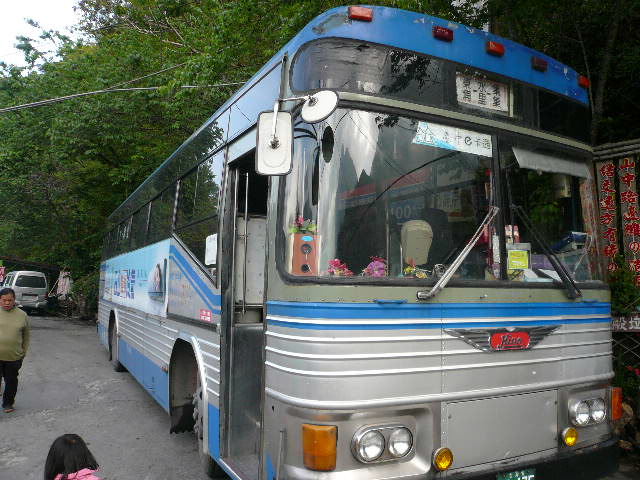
<point x="549" y="163"/>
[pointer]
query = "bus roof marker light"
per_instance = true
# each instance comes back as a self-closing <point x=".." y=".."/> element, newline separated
<point x="539" y="64"/>
<point x="494" y="48"/>
<point x="584" y="82"/>
<point x="363" y="14"/>
<point x="442" y="33"/>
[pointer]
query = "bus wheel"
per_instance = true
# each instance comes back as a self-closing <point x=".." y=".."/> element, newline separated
<point x="211" y="468"/>
<point x="113" y="341"/>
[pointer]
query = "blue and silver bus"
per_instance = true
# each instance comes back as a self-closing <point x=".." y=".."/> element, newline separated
<point x="376" y="260"/>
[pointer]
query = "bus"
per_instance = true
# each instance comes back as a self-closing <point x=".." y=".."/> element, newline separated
<point x="376" y="260"/>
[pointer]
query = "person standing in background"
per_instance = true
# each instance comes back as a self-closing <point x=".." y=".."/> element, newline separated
<point x="14" y="343"/>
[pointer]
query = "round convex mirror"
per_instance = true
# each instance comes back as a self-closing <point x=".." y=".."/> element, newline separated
<point x="319" y="106"/>
<point x="327" y="144"/>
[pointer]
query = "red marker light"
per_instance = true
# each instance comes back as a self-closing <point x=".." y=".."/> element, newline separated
<point x="584" y="82"/>
<point x="442" y="33"/>
<point x="494" y="48"/>
<point x="539" y="64"/>
<point x="363" y="14"/>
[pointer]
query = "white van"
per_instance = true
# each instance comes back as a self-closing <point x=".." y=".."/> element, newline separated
<point x="30" y="287"/>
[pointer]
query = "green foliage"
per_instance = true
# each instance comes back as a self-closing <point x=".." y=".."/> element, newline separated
<point x="597" y="38"/>
<point x="85" y="293"/>
<point x="627" y="377"/>
<point x="625" y="296"/>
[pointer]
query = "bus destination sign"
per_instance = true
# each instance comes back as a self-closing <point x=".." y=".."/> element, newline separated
<point x="481" y="92"/>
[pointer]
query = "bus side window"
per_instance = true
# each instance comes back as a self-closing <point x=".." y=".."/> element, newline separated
<point x="161" y="215"/>
<point x="197" y="214"/>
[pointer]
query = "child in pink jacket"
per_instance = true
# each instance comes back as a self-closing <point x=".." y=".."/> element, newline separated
<point x="69" y="458"/>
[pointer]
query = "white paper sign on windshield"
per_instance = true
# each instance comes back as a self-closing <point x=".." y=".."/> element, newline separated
<point x="211" y="250"/>
<point x="452" y="138"/>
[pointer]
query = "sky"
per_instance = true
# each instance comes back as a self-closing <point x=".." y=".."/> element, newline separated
<point x="50" y="14"/>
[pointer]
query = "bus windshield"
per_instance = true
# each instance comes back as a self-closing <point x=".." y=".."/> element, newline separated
<point x="372" y="195"/>
<point x="385" y="196"/>
<point x="549" y="200"/>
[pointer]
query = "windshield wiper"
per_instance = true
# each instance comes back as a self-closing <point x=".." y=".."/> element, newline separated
<point x="446" y="276"/>
<point x="572" y="290"/>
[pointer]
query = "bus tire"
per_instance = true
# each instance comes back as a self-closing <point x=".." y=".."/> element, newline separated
<point x="113" y="343"/>
<point x="209" y="465"/>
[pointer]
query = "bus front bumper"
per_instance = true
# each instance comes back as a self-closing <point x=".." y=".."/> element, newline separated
<point x="589" y="463"/>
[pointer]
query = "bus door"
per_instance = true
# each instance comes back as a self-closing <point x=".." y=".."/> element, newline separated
<point x="246" y="233"/>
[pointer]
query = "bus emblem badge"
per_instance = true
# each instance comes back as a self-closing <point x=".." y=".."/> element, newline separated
<point x="502" y="339"/>
<point x="510" y="341"/>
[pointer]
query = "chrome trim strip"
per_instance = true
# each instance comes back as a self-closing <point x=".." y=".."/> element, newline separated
<point x="132" y="330"/>
<point x="434" y="397"/>
<point x="387" y="102"/>
<point x="406" y="338"/>
<point x="299" y="338"/>
<point x="215" y="357"/>
<point x="563" y="331"/>
<point x="211" y="367"/>
<point x="443" y="368"/>
<point x="362" y="356"/>
<point x="434" y="321"/>
<point x="139" y="346"/>
<point x="378" y="355"/>
<point x="210" y="344"/>
<point x="143" y="331"/>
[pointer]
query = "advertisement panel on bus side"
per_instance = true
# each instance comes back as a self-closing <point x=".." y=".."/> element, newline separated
<point x="138" y="279"/>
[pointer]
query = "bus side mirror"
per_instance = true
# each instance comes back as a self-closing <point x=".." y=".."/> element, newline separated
<point x="274" y="143"/>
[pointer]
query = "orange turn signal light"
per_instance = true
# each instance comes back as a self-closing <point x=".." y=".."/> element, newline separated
<point x="319" y="445"/>
<point x="616" y="403"/>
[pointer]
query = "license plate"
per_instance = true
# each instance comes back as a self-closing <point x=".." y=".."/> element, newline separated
<point x="528" y="474"/>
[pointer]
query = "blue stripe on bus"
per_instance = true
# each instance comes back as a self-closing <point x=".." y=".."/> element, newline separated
<point x="148" y="374"/>
<point x="214" y="440"/>
<point x="429" y="326"/>
<point x="214" y="432"/>
<point x="412" y="31"/>
<point x="332" y="310"/>
<point x="213" y="300"/>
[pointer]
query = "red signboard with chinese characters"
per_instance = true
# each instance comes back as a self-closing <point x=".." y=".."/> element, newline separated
<point x="619" y="212"/>
<point x="630" y="214"/>
<point x="608" y="212"/>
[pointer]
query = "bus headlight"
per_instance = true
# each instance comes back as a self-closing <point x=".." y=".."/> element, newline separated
<point x="369" y="446"/>
<point x="580" y="413"/>
<point x="400" y="442"/>
<point x="597" y="410"/>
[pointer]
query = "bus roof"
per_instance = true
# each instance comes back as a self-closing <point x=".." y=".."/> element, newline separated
<point x="413" y="31"/>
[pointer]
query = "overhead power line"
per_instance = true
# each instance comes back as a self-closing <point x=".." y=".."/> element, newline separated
<point x="146" y="76"/>
<point x="106" y="90"/>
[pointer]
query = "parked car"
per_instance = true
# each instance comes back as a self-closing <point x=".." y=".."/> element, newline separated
<point x="31" y="288"/>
